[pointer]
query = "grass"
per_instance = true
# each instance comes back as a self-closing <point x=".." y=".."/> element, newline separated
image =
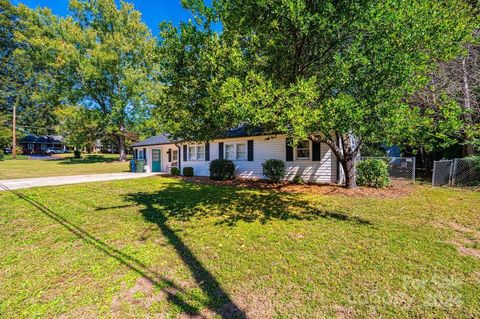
<point x="66" y="165"/>
<point x="162" y="247"/>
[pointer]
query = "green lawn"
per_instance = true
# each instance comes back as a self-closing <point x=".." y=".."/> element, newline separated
<point x="159" y="247"/>
<point x="67" y="165"/>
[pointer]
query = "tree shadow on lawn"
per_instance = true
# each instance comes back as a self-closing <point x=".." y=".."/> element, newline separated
<point x="130" y="262"/>
<point x="186" y="201"/>
<point x="88" y="159"/>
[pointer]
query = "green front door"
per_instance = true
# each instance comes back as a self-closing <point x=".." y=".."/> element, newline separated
<point x="156" y="161"/>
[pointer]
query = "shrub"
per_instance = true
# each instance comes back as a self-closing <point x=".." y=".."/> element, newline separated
<point x="188" y="171"/>
<point x="77" y="154"/>
<point x="298" y="180"/>
<point x="221" y="169"/>
<point x="372" y="173"/>
<point x="174" y="171"/>
<point x="2" y="154"/>
<point x="274" y="170"/>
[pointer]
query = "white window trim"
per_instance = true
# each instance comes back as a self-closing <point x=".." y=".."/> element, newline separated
<point x="235" y="153"/>
<point x="309" y="153"/>
<point x="174" y="155"/>
<point x="196" y="158"/>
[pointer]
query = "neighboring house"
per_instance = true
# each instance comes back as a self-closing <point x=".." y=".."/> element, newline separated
<point x="37" y="144"/>
<point x="314" y="162"/>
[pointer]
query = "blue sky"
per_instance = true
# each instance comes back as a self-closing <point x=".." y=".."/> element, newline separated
<point x="153" y="11"/>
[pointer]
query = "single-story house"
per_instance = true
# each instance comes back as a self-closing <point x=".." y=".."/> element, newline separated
<point x="38" y="144"/>
<point x="314" y="162"/>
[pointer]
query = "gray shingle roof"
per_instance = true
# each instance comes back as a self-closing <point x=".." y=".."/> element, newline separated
<point x="155" y="140"/>
<point x="240" y="131"/>
<point x="46" y="139"/>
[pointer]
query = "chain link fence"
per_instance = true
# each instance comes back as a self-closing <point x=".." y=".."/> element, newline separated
<point x="456" y="172"/>
<point x="398" y="167"/>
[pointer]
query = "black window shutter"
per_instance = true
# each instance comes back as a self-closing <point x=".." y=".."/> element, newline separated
<point x="135" y="154"/>
<point x="145" y="154"/>
<point x="250" y="150"/>
<point x="207" y="151"/>
<point x="289" y="153"/>
<point x="316" y="151"/>
<point x="220" y="150"/>
<point x="169" y="154"/>
<point x="184" y="153"/>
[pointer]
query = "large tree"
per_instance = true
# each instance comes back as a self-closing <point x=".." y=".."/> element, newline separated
<point x="101" y="56"/>
<point x="339" y="72"/>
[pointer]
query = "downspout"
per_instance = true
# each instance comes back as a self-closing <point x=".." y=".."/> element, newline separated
<point x="179" y="157"/>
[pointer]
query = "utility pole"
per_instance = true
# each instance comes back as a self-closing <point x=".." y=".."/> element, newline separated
<point x="14" y="132"/>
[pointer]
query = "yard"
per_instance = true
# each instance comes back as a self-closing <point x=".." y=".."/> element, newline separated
<point x="162" y="247"/>
<point x="64" y="165"/>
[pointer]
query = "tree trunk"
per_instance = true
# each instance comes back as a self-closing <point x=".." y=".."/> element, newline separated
<point x="350" y="173"/>
<point x="467" y="105"/>
<point x="121" y="148"/>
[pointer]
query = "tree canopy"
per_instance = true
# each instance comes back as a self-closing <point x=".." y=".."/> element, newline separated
<point x="340" y="72"/>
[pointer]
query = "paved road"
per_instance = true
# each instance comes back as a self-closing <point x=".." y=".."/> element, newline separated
<point x="65" y="180"/>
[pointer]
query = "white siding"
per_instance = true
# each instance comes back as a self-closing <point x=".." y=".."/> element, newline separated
<point x="265" y="147"/>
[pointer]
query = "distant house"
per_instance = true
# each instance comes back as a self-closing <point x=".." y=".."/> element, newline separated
<point x="38" y="144"/>
<point x="248" y="149"/>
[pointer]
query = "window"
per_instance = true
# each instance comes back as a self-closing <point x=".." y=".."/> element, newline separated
<point x="236" y="152"/>
<point x="241" y="152"/>
<point x="200" y="152"/>
<point x="230" y="152"/>
<point x="196" y="153"/>
<point x="140" y="154"/>
<point x="192" y="153"/>
<point x="303" y="150"/>
<point x="174" y="155"/>
<point x="43" y="147"/>
<point x="30" y="146"/>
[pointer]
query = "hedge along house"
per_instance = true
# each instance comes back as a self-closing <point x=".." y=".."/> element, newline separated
<point x="314" y="162"/>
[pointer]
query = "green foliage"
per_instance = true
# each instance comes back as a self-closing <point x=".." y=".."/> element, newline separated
<point x="373" y="150"/>
<point x="101" y="57"/>
<point x="174" y="171"/>
<point x="77" y="154"/>
<point x="328" y="69"/>
<point x="298" y="180"/>
<point x="274" y="170"/>
<point x="2" y="155"/>
<point x="81" y="127"/>
<point x="373" y="173"/>
<point x="221" y="169"/>
<point x="188" y="171"/>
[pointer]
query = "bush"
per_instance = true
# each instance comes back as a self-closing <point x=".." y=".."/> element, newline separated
<point x="2" y="155"/>
<point x="221" y="169"/>
<point x="188" y="171"/>
<point x="77" y="154"/>
<point x="298" y="180"/>
<point x="274" y="170"/>
<point x="373" y="173"/>
<point x="174" y="171"/>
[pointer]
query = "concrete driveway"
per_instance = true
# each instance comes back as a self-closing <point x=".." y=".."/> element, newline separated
<point x="65" y="180"/>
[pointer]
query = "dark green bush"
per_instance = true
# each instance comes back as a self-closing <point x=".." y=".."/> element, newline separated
<point x="174" y="171"/>
<point x="373" y="173"/>
<point x="188" y="171"/>
<point x="221" y="169"/>
<point x="274" y="170"/>
<point x="77" y="154"/>
<point x="2" y="154"/>
<point x="298" y="180"/>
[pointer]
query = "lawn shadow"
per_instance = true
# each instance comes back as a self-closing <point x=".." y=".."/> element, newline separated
<point x="184" y="201"/>
<point x="87" y="159"/>
<point x="166" y="285"/>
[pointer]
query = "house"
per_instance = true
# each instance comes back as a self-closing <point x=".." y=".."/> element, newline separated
<point x="314" y="162"/>
<point x="38" y="144"/>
